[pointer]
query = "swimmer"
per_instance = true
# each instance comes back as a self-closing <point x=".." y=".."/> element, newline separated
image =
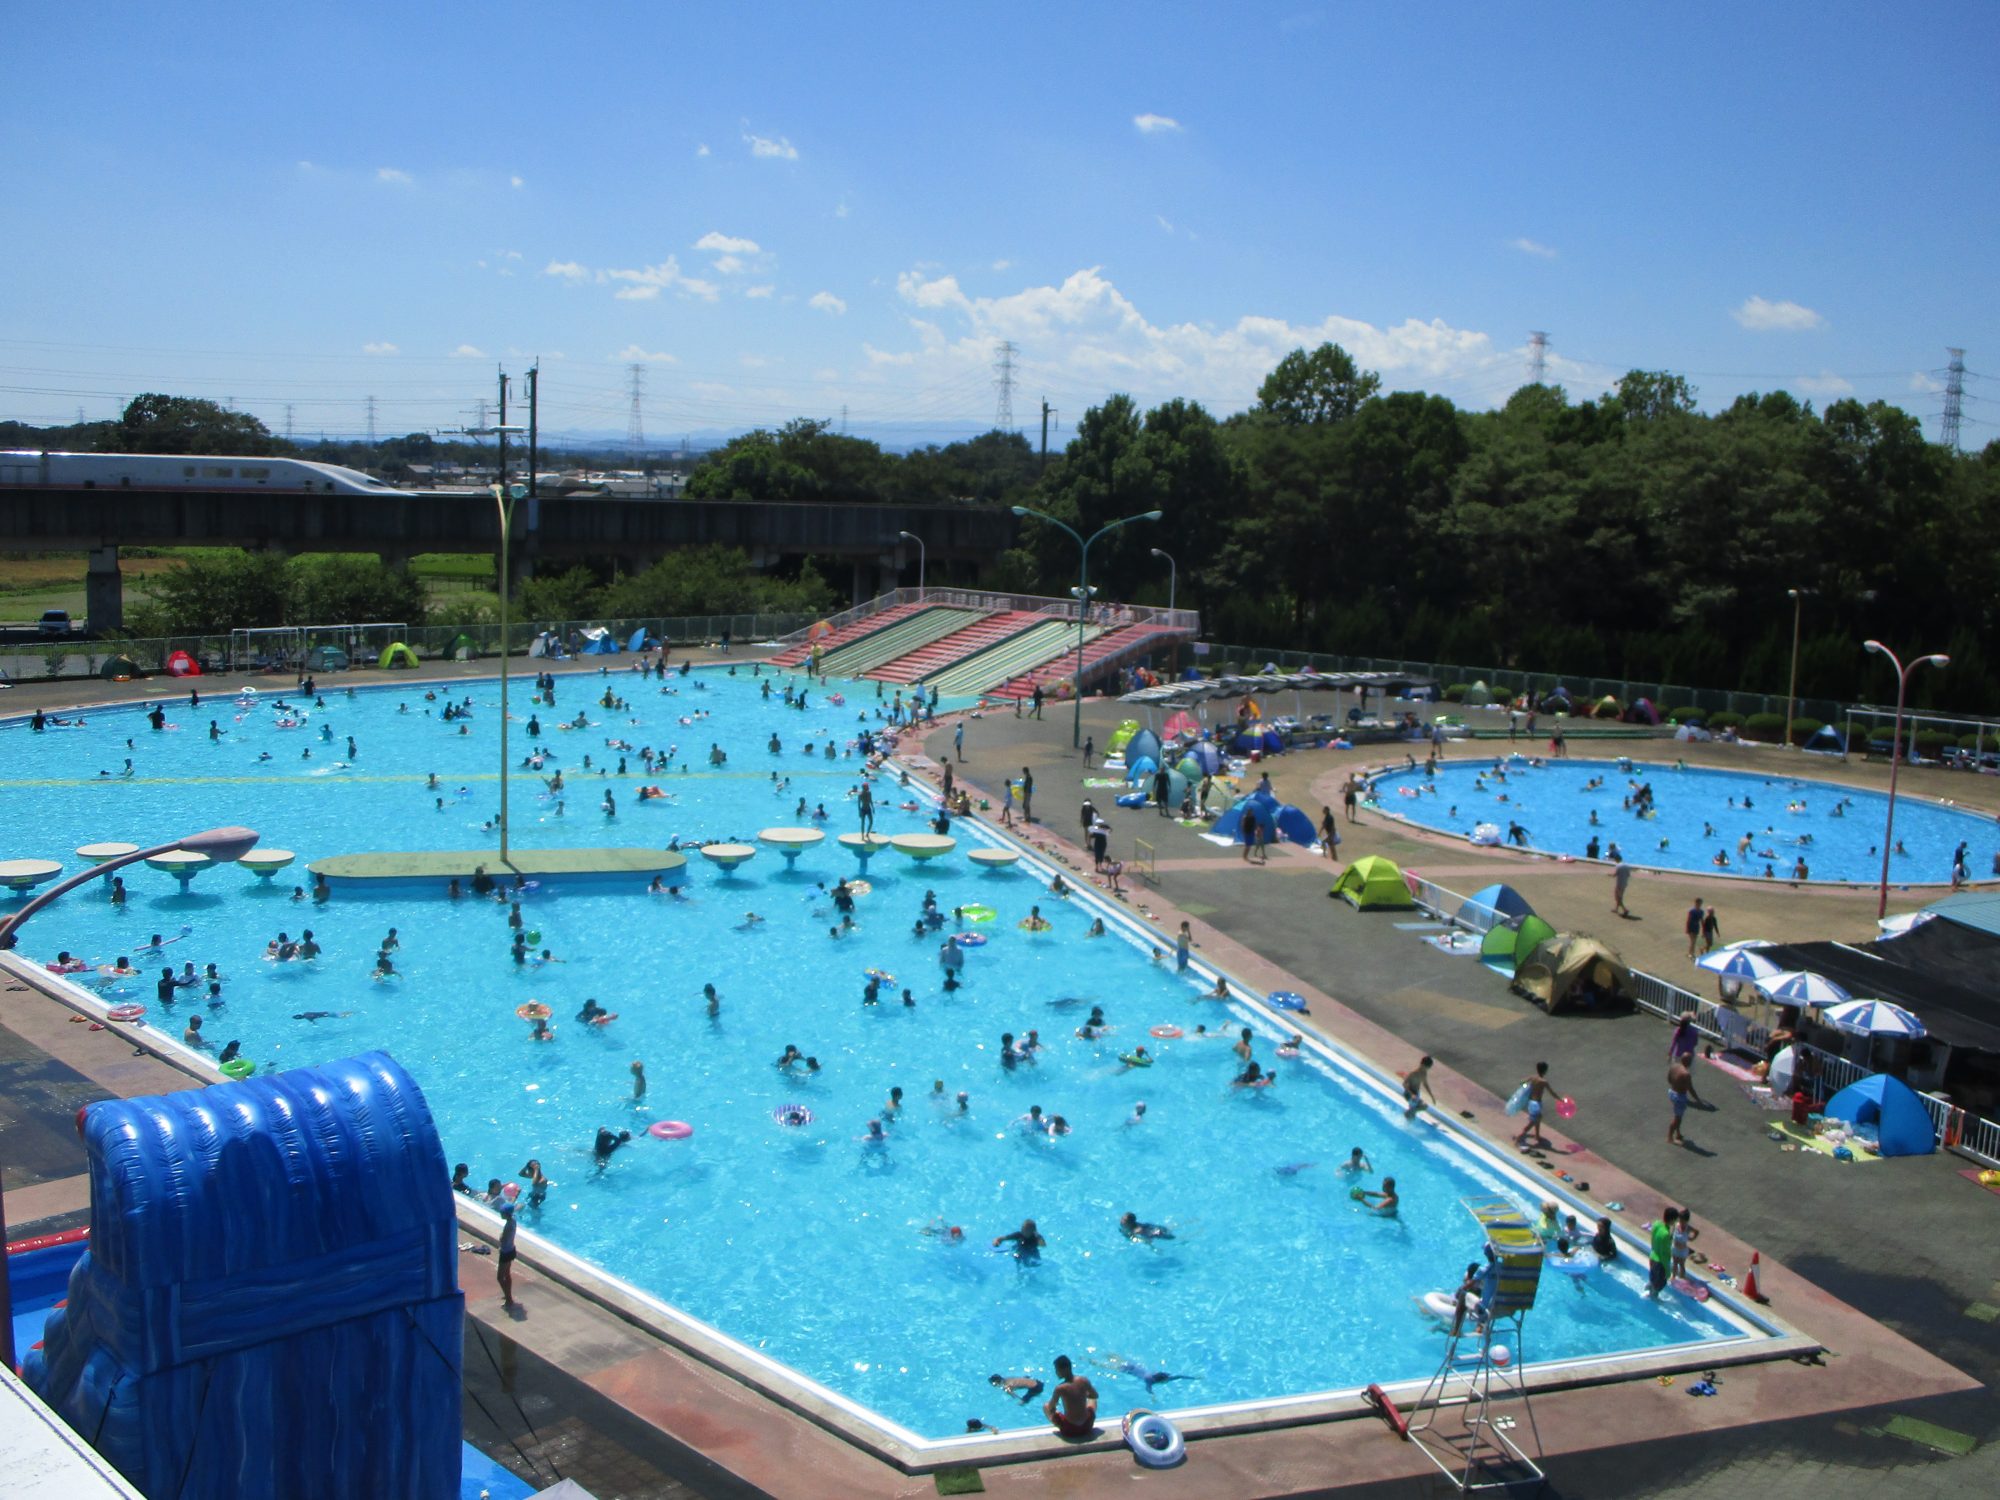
<point x="1221" y="990"/>
<point x="1023" y="1388"/>
<point x="321" y="1015"/>
<point x="541" y="1031"/>
<point x="607" y="1144"/>
<point x="1381" y="1200"/>
<point x="1134" y="1228"/>
<point x="1152" y="1378"/>
<point x="1252" y="1077"/>
<point x="1357" y="1161"/>
<point x="1096" y="928"/>
<point x="1027" y="1242"/>
<point x="1138" y="1115"/>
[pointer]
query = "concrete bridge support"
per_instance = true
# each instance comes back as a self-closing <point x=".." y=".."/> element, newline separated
<point x="104" y="591"/>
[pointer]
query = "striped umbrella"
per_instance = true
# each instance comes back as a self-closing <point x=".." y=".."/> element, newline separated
<point x="1873" y="1018"/>
<point x="1802" y="987"/>
<point x="1903" y="921"/>
<point x="1740" y="963"/>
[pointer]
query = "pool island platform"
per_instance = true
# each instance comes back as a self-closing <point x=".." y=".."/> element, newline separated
<point x="395" y="868"/>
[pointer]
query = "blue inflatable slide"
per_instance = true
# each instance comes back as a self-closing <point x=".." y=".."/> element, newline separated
<point x="269" y="1305"/>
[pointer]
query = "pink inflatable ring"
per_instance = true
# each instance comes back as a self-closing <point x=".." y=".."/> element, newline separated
<point x="670" y="1130"/>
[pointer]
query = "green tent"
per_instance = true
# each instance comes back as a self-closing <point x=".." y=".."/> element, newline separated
<point x="1530" y="935"/>
<point x="119" y="669"/>
<point x="398" y="655"/>
<point x="462" y="648"/>
<point x="1120" y="736"/>
<point x="1373" y="883"/>
<point x="1497" y="947"/>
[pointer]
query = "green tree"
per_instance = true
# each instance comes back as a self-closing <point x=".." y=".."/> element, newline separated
<point x="186" y="424"/>
<point x="350" y="588"/>
<point x="212" y="593"/>
<point x="572" y="594"/>
<point x="1323" y="386"/>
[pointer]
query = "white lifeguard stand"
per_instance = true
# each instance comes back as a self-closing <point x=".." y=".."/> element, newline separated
<point x="1456" y="1421"/>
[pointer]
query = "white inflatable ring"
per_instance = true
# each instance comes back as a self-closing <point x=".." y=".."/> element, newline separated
<point x="1154" y="1441"/>
<point x="1444" y="1305"/>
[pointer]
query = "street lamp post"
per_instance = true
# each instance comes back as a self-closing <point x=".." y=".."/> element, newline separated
<point x="1896" y="754"/>
<point x="921" y="550"/>
<point x="1173" y="580"/>
<point x="1083" y="594"/>
<point x="504" y="496"/>
<point x="1798" y="598"/>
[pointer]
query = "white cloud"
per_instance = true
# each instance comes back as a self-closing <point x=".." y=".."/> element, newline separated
<point x="1826" y="383"/>
<point x="380" y="348"/>
<point x="758" y="291"/>
<point x="826" y="302"/>
<point x="752" y="361"/>
<point x="702" y="149"/>
<point x="1150" y="124"/>
<point x="729" y="265"/>
<point x="840" y="210"/>
<point x="1001" y="265"/>
<point x="1164" y="222"/>
<point x="708" y="291"/>
<point x="517" y="181"/>
<point x="726" y="244"/>
<point x="567" y="270"/>
<point x="632" y="354"/>
<point x="1781" y="317"/>
<point x="394" y="174"/>
<point x="509" y="254"/>
<point x="468" y="351"/>
<point x="1531" y="247"/>
<point x="1925" y="384"/>
<point x="1091" y="338"/>
<point x="780" y="148"/>
<point x="644" y="293"/>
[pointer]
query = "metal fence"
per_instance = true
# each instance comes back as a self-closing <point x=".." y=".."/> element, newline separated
<point x="1958" y="1130"/>
<point x="430" y="642"/>
<point x="993" y="601"/>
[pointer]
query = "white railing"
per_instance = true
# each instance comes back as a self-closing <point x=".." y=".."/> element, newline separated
<point x="1958" y="1130"/>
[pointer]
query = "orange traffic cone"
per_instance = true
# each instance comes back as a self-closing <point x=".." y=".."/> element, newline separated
<point x="1750" y="1280"/>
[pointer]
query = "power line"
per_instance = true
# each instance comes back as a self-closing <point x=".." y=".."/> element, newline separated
<point x="1954" y="398"/>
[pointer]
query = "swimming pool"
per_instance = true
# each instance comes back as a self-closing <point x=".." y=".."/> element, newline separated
<point x="1695" y="814"/>
<point x="805" y="1243"/>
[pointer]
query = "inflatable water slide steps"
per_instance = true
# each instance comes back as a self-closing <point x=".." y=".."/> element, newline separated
<point x="886" y="645"/>
<point x="793" y="656"/>
<point x="1127" y="640"/>
<point x="957" y="646"/>
<point x="1013" y="656"/>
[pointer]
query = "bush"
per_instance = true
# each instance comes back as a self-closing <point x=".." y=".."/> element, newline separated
<point x="1764" y="727"/>
<point x="1688" y="715"/>
<point x="1805" y="729"/>
<point x="1988" y="741"/>
<point x="1930" y="742"/>
<point x="1456" y="692"/>
<point x="1724" y="718"/>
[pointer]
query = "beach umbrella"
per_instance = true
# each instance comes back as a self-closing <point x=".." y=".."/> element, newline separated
<point x="1873" y="1018"/>
<point x="1903" y="921"/>
<point x="1743" y="943"/>
<point x="1739" y="963"/>
<point x="1802" y="987"/>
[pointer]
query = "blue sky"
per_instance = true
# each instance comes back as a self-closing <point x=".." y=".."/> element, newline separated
<point x="788" y="210"/>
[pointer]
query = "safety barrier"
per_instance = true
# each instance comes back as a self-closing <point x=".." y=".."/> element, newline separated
<point x="1957" y="1130"/>
<point x="990" y="601"/>
<point x="1146" y="861"/>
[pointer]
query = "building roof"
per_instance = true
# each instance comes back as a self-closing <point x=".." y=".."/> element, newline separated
<point x="1978" y="909"/>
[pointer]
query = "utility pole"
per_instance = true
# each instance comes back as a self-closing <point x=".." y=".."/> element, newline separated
<point x="1003" y="381"/>
<point x="1538" y="358"/>
<point x="288" y="421"/>
<point x="1047" y="412"/>
<point x="1954" y="398"/>
<point x="635" y="425"/>
<point x="371" y="420"/>
<point x="534" y="436"/>
<point x="502" y="468"/>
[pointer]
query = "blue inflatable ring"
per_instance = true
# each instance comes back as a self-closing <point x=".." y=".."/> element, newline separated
<point x="1285" y="1000"/>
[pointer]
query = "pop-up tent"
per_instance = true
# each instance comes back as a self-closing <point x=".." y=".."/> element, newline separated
<point x="1692" y="733"/>
<point x="1120" y="737"/>
<point x="1140" y="769"/>
<point x="1555" y="702"/>
<point x="1244" y="813"/>
<point x="1145" y="743"/>
<point x="1496" y="949"/>
<point x="1181" y="723"/>
<point x="463" y="648"/>
<point x="1529" y="934"/>
<point x="1492" y="905"/>
<point x="1642" y="711"/>
<point x="1295" y="824"/>
<point x="1207" y="757"/>
<point x="180" y="664"/>
<point x="1569" y="972"/>
<point x="1902" y="1125"/>
<point x="118" y="669"/>
<point x="326" y="659"/>
<point x="597" y="641"/>
<point x="398" y="655"/>
<point x="1373" y="883"/>
<point x="638" y="641"/>
<point x="1828" y="740"/>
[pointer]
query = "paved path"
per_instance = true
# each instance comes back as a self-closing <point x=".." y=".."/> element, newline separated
<point x="1908" y="1242"/>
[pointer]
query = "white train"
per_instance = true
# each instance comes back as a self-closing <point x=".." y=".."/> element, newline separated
<point x="170" y="471"/>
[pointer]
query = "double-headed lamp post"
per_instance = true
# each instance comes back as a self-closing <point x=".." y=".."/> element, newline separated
<point x="1083" y="594"/>
<point x="1896" y="753"/>
<point x="1173" y="580"/>
<point x="921" y="551"/>
<point x="504" y="496"/>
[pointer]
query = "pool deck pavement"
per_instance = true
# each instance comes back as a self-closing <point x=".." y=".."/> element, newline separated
<point x="1785" y="1429"/>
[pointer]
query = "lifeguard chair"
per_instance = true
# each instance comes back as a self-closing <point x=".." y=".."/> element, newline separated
<point x="1455" y="1421"/>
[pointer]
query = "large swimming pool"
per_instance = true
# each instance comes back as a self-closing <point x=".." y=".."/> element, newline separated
<point x="806" y="1242"/>
<point x="1760" y="826"/>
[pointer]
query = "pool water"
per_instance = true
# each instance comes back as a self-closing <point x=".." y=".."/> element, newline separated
<point x="804" y="1242"/>
<point x="1695" y="814"/>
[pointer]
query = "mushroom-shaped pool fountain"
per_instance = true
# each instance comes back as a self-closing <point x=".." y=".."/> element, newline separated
<point x="728" y="856"/>
<point x="264" y="863"/>
<point x="993" y="859"/>
<point x="98" y="854"/>
<point x="182" y="864"/>
<point x="864" y="846"/>
<point x="923" y="846"/>
<point x="23" y="875"/>
<point x="791" y="842"/>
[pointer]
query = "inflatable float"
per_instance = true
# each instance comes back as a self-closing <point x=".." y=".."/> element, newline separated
<point x="1154" y="1441"/>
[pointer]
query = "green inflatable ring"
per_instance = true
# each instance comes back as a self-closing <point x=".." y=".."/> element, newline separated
<point x="238" y="1067"/>
<point x="979" y="913"/>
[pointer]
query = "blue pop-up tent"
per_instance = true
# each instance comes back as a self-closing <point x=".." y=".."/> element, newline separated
<point x="1143" y="745"/>
<point x="1493" y="904"/>
<point x="1140" y="769"/>
<point x="1902" y="1125"/>
<point x="638" y="641"/>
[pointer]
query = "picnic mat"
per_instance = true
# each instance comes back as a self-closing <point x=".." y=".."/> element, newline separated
<point x="1734" y="1070"/>
<point x="1807" y="1141"/>
<point x="1765" y="1097"/>
<point x="1972" y="1173"/>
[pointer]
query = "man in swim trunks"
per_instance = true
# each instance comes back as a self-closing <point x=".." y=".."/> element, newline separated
<point x="1073" y="1406"/>
<point x="1135" y="1228"/>
<point x="1384" y="1200"/>
<point x="1416" y="1083"/>
<point x="1028" y="1242"/>
<point x="1023" y="1388"/>
<point x="1537" y="1085"/>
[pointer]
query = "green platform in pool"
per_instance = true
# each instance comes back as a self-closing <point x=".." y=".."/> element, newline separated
<point x="531" y="864"/>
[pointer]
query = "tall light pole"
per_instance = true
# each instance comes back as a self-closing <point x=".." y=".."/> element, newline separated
<point x="1798" y="598"/>
<point x="1173" y="580"/>
<point x="1082" y="594"/>
<point x="1896" y="754"/>
<point x="920" y="559"/>
<point x="504" y="496"/>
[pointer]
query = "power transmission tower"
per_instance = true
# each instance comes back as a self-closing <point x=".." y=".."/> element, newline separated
<point x="1003" y="381"/>
<point x="635" y="425"/>
<point x="843" y="419"/>
<point x="1954" y="397"/>
<point x="371" y="419"/>
<point x="1538" y="357"/>
<point x="482" y="412"/>
<point x="79" y="416"/>
<point x="288" y="421"/>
